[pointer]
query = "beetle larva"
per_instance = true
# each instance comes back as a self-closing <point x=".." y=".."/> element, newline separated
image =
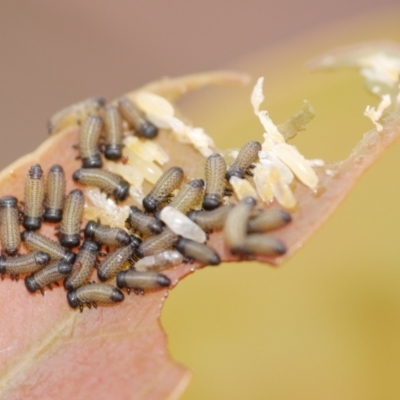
<point x="158" y="262"/>
<point x="262" y="244"/>
<point x="23" y="264"/>
<point x="45" y="277"/>
<point x="72" y="218"/>
<point x="113" y="262"/>
<point x="106" y="235"/>
<point x="144" y="224"/>
<point x="54" y="202"/>
<point x="136" y="120"/>
<point x="198" y="251"/>
<point x="268" y="220"/>
<point x="89" y="142"/>
<point x="140" y="281"/>
<point x="113" y="129"/>
<point x="190" y="195"/>
<point x="92" y="294"/>
<point x="9" y="227"/>
<point x="163" y="188"/>
<point x="37" y="242"/>
<point x="107" y="181"/>
<point x="33" y="198"/>
<point x="247" y="154"/>
<point x="235" y="228"/>
<point x="210" y="220"/>
<point x="215" y="181"/>
<point x="75" y="114"/>
<point x="157" y="243"/>
<point x="83" y="266"/>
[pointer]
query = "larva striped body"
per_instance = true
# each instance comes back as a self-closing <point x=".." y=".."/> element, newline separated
<point x="262" y="244"/>
<point x="247" y="154"/>
<point x="92" y="294"/>
<point x="136" y="119"/>
<point x="157" y="243"/>
<point x="106" y="235"/>
<point x="163" y="188"/>
<point x="158" y="262"/>
<point x="72" y="218"/>
<point x="198" y="251"/>
<point x="89" y="142"/>
<point x="9" y="228"/>
<point x="268" y="220"/>
<point x="83" y="266"/>
<point x="210" y="220"/>
<point x="113" y="130"/>
<point x="53" y="273"/>
<point x="33" y="198"/>
<point x="189" y="196"/>
<point x="54" y="202"/>
<point x="107" y="181"/>
<point x="215" y="181"/>
<point x="143" y="223"/>
<point x="23" y="264"/>
<point x="141" y="281"/>
<point x="35" y="241"/>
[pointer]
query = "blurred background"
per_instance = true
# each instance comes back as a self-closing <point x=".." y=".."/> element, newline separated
<point x="326" y="324"/>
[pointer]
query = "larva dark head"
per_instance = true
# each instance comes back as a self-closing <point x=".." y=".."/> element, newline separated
<point x="280" y="247"/>
<point x="64" y="268"/>
<point x="122" y="190"/>
<point x="42" y="258"/>
<point x="90" y="246"/>
<point x="135" y="241"/>
<point x="8" y="202"/>
<point x="31" y="284"/>
<point x="113" y="151"/>
<point x="56" y="169"/>
<point x="69" y="257"/>
<point x="123" y="238"/>
<point x="102" y="275"/>
<point x="116" y="296"/>
<point x="92" y="162"/>
<point x="121" y="282"/>
<point x="163" y="280"/>
<point x="70" y="241"/>
<point x="286" y="217"/>
<point x="235" y="171"/>
<point x="211" y="201"/>
<point x="90" y="229"/>
<point x="100" y="101"/>
<point x="149" y="204"/>
<point x="32" y="223"/>
<point x="155" y="226"/>
<point x="197" y="183"/>
<point x="73" y="300"/>
<point x="214" y="259"/>
<point x="25" y="235"/>
<point x="35" y="172"/>
<point x="76" y="176"/>
<point x="52" y="215"/>
<point x="148" y="130"/>
<point x="3" y="261"/>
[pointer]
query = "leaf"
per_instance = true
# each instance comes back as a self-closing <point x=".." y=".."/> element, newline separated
<point x="51" y="350"/>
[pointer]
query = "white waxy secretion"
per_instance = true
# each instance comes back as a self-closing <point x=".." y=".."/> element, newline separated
<point x="182" y="225"/>
<point x="159" y="261"/>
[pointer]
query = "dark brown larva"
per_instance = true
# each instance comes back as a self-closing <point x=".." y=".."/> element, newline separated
<point x="54" y="202"/>
<point x="198" y="251"/>
<point x="235" y="228"/>
<point x="114" y="262"/>
<point x="144" y="224"/>
<point x="9" y="227"/>
<point x="190" y="195"/>
<point x="89" y="142"/>
<point x="106" y="235"/>
<point x="37" y="242"/>
<point x="163" y="188"/>
<point x="33" y="198"/>
<point x="113" y="129"/>
<point x="45" y="277"/>
<point x="72" y="218"/>
<point x="157" y="243"/>
<point x="141" y="281"/>
<point x="75" y="114"/>
<point x="107" y="181"/>
<point x="268" y="220"/>
<point x="242" y="164"/>
<point x="92" y="294"/>
<point x="210" y="220"/>
<point x="136" y="119"/>
<point x="23" y="264"/>
<point x="262" y="244"/>
<point x="83" y="266"/>
<point x="215" y="181"/>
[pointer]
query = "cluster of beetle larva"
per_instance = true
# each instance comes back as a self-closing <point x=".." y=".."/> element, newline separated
<point x="145" y="246"/>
